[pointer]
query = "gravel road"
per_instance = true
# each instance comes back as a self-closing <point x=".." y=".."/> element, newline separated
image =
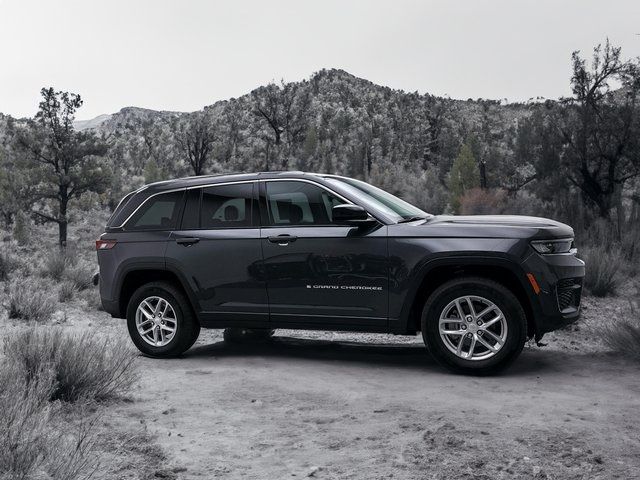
<point x="337" y="406"/>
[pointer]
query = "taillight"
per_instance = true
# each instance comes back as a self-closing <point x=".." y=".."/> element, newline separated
<point x="105" y="244"/>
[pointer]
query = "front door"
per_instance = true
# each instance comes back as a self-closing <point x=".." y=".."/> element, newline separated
<point x="217" y="250"/>
<point x="320" y="274"/>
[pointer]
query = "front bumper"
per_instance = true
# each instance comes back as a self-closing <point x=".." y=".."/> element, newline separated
<point x="559" y="278"/>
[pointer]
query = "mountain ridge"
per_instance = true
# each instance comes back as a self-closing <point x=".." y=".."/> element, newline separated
<point x="329" y="75"/>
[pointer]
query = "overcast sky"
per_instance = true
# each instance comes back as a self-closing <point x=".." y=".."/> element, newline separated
<point x="183" y="55"/>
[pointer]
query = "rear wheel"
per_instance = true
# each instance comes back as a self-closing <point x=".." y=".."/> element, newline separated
<point x="474" y="326"/>
<point x="160" y="320"/>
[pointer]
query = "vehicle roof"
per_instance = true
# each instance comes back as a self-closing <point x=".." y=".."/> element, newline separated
<point x="221" y="178"/>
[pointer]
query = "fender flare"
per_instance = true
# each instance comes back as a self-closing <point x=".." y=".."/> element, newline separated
<point x="157" y="265"/>
<point x="487" y="259"/>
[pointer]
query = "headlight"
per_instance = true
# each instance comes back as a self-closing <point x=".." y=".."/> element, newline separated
<point x="550" y="247"/>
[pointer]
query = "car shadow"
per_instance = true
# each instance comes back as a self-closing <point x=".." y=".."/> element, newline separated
<point x="408" y="356"/>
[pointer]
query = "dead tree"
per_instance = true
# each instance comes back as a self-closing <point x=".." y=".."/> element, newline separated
<point x="195" y="139"/>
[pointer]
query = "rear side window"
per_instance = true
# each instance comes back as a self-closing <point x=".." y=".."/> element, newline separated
<point x="159" y="212"/>
<point x="222" y="206"/>
<point x="112" y="222"/>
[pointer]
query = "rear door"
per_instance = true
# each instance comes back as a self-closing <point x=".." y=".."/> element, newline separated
<point x="320" y="274"/>
<point x="142" y="240"/>
<point x="217" y="251"/>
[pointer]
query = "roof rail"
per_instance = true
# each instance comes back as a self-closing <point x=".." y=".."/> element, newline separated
<point x="279" y="172"/>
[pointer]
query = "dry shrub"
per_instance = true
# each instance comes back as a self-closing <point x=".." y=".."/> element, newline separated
<point x="631" y="248"/>
<point x="84" y="367"/>
<point x="29" y="300"/>
<point x="24" y="422"/>
<point x="34" y="443"/>
<point x="525" y="203"/>
<point x="599" y="233"/>
<point x="602" y="270"/>
<point x="92" y="297"/>
<point x="66" y="291"/>
<point x="55" y="264"/>
<point x="65" y="265"/>
<point x="623" y="335"/>
<point x="478" y="201"/>
<point x="80" y="274"/>
<point x="22" y="228"/>
<point x="8" y="264"/>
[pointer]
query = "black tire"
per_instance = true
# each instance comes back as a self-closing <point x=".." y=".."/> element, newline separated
<point x="247" y="335"/>
<point x="187" y="326"/>
<point x="503" y="298"/>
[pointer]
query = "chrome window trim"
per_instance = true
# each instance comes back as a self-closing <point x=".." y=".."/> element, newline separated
<point x="206" y="185"/>
<point x="132" y="194"/>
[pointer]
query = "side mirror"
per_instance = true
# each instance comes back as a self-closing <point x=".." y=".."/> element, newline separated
<point x="347" y="214"/>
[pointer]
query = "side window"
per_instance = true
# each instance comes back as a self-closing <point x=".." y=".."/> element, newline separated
<point x="227" y="206"/>
<point x="299" y="203"/>
<point x="158" y="213"/>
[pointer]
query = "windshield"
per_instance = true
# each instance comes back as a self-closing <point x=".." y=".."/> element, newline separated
<point x="378" y="198"/>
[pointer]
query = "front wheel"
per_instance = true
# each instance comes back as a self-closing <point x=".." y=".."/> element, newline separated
<point x="474" y="326"/>
<point x="160" y="320"/>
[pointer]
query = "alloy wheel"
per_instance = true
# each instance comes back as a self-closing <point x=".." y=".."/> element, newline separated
<point x="156" y="321"/>
<point x="473" y="328"/>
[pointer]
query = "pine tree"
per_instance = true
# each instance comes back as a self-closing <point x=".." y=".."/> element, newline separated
<point x="463" y="176"/>
<point x="153" y="173"/>
<point x="64" y="164"/>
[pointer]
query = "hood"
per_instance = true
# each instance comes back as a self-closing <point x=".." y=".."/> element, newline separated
<point x="485" y="226"/>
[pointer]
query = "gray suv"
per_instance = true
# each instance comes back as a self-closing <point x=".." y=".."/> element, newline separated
<point x="255" y="252"/>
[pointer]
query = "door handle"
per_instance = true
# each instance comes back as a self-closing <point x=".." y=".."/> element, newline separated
<point x="187" y="241"/>
<point x="283" y="239"/>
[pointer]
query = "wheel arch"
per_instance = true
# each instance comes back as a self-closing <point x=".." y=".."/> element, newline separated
<point x="136" y="276"/>
<point x="437" y="272"/>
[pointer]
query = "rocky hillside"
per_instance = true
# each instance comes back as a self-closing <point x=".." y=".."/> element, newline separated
<point x="334" y="122"/>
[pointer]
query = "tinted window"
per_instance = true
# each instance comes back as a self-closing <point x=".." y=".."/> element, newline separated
<point x="118" y="212"/>
<point x="159" y="212"/>
<point x="299" y="203"/>
<point x="227" y="206"/>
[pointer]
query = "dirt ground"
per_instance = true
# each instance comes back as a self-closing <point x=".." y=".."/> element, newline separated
<point x="354" y="406"/>
<point x="340" y="406"/>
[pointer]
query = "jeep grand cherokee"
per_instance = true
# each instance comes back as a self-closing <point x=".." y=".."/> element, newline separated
<point x="257" y="252"/>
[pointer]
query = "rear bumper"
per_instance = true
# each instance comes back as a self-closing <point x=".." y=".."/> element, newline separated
<point x="112" y="307"/>
<point x="559" y="278"/>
